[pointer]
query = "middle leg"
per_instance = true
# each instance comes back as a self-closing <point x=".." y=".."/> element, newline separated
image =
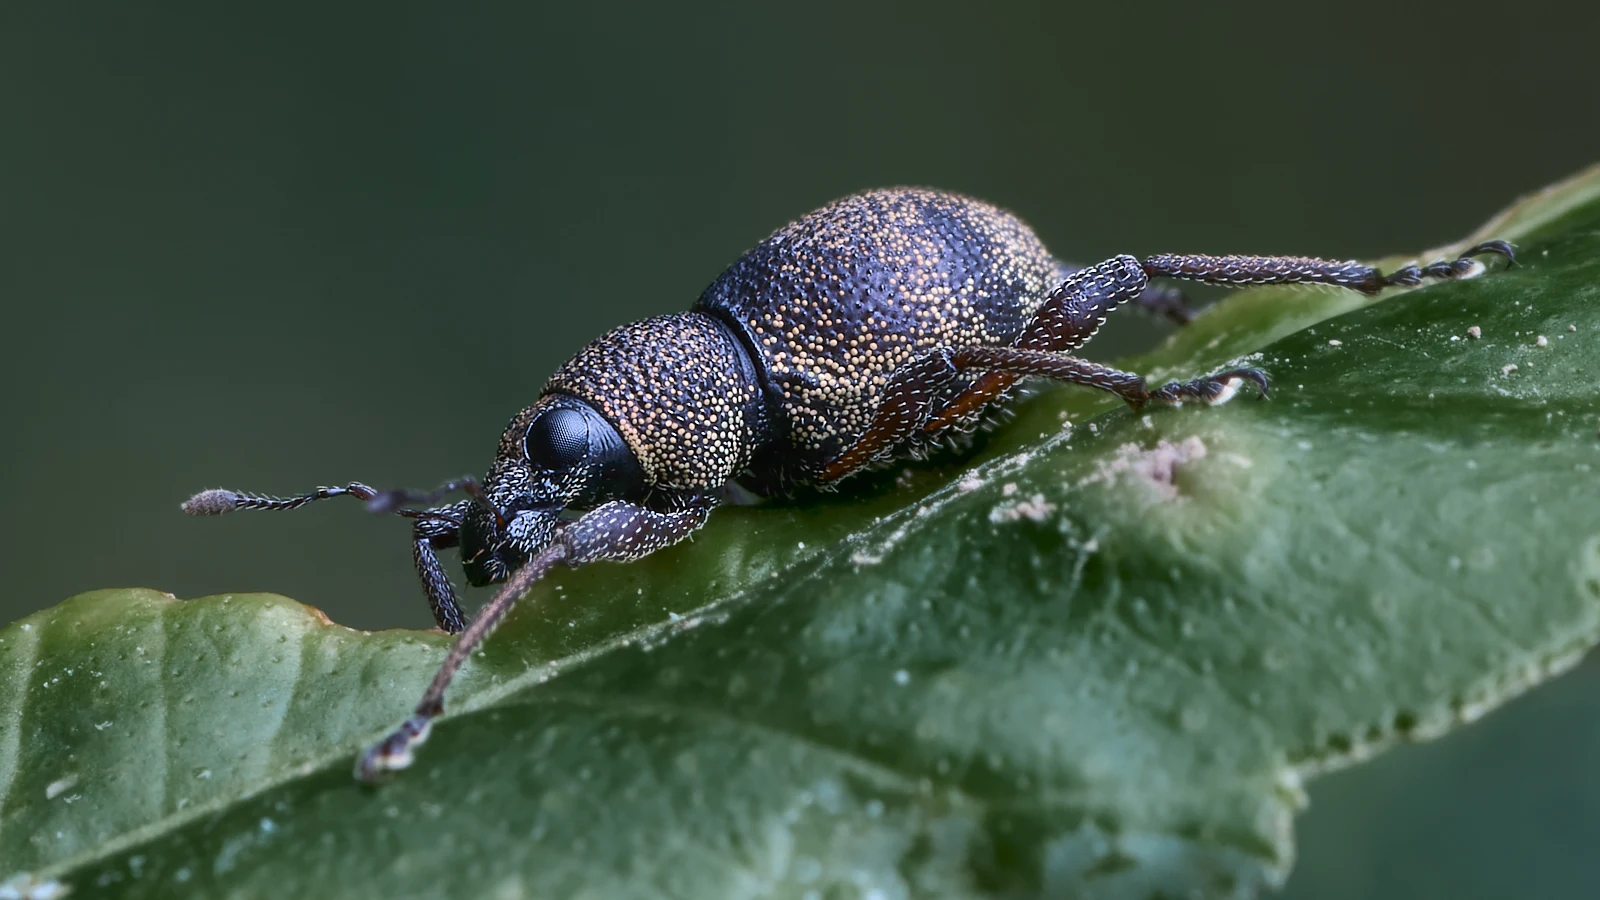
<point x="1067" y="319"/>
<point x="911" y="400"/>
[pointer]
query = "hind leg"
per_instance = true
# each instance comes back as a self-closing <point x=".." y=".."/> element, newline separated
<point x="1167" y="301"/>
<point x="1072" y="314"/>
<point x="1076" y="310"/>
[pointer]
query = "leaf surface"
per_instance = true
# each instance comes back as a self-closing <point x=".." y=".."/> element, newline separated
<point x="1100" y="659"/>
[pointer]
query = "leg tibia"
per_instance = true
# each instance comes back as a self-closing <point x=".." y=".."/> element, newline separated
<point x="438" y="529"/>
<point x="1243" y="270"/>
<point x="1131" y="388"/>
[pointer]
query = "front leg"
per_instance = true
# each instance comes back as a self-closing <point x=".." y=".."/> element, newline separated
<point x="439" y="529"/>
<point x="433" y="529"/>
<point x="619" y="531"/>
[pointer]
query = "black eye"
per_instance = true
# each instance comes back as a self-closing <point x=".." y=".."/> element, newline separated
<point x="558" y="440"/>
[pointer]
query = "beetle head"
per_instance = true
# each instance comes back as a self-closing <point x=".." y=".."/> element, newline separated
<point x="555" y="455"/>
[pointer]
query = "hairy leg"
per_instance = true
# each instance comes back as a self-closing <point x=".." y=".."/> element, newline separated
<point x="1166" y="301"/>
<point x="1072" y="314"/>
<point x="618" y="531"/>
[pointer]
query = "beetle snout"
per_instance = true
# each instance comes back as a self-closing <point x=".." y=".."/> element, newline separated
<point x="489" y="553"/>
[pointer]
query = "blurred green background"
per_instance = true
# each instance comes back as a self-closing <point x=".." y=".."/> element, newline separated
<point x="276" y="249"/>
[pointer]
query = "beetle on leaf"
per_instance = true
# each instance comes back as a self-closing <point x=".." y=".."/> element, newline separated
<point x="866" y="331"/>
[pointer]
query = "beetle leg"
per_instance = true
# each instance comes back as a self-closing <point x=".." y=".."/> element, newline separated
<point x="439" y="531"/>
<point x="1072" y="314"/>
<point x="1076" y="310"/>
<point x="1167" y="301"/>
<point x="615" y="531"/>
<point x="1014" y="361"/>
<point x="433" y="529"/>
<point x="623" y="531"/>
<point x="908" y="401"/>
<point x="1242" y="270"/>
<point x="1066" y="320"/>
<point x="900" y="418"/>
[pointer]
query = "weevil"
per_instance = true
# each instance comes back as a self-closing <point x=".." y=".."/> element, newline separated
<point x="866" y="331"/>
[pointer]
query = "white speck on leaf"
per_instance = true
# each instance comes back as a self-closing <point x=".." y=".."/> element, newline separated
<point x="26" y="887"/>
<point x="60" y="786"/>
<point x="1036" y="508"/>
<point x="1156" y="466"/>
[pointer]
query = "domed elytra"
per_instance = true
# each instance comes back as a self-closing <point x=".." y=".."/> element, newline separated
<point x="832" y="304"/>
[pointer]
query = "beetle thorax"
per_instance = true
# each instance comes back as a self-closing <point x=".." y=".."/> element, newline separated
<point x="681" y="392"/>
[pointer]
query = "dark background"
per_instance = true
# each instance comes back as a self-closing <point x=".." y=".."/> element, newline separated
<point x="276" y="249"/>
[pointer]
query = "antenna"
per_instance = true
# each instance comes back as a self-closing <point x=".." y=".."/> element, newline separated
<point x="216" y="501"/>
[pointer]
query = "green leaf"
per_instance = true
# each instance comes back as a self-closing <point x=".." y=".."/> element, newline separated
<point x="1102" y="658"/>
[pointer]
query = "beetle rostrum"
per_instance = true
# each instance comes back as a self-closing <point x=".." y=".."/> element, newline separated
<point x="866" y="331"/>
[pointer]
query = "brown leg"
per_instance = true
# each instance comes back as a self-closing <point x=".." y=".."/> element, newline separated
<point x="1166" y="301"/>
<point x="1076" y="310"/>
<point x="1072" y="314"/>
<point x="1243" y="270"/>
<point x="1131" y="388"/>
<point x="617" y="530"/>
<point x="1066" y="320"/>
<point x="906" y="408"/>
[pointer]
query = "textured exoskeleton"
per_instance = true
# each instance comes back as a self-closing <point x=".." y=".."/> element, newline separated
<point x="862" y="332"/>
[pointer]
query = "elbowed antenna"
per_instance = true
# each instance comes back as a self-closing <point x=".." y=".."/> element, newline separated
<point x="435" y="529"/>
<point x="216" y="501"/>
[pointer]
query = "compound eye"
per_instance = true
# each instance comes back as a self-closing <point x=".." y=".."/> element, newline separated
<point x="558" y="440"/>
